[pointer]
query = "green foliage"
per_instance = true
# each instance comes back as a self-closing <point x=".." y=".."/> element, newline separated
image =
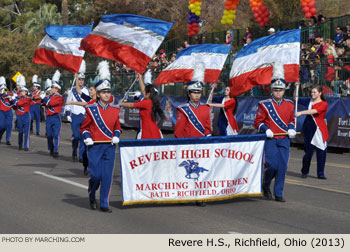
<point x="37" y="21"/>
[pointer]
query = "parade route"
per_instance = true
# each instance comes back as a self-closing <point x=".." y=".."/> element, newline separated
<point x="41" y="194"/>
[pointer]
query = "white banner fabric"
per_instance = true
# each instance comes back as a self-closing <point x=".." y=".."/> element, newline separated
<point x="191" y="169"/>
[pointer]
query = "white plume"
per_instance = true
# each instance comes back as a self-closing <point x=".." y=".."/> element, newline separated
<point x="198" y="73"/>
<point x="278" y="71"/>
<point x="103" y="70"/>
<point x="148" y="78"/>
<point x="48" y="83"/>
<point x="20" y="80"/>
<point x="35" y="78"/>
<point x="56" y="76"/>
<point x="2" y="80"/>
<point x="82" y="68"/>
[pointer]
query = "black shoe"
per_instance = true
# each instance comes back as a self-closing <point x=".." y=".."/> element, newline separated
<point x="322" y="177"/>
<point x="80" y="160"/>
<point x="37" y="134"/>
<point x="106" y="210"/>
<point x="267" y="194"/>
<point x="86" y="172"/>
<point x="74" y="158"/>
<point x="201" y="203"/>
<point x="280" y="199"/>
<point x="8" y="143"/>
<point x="55" y="154"/>
<point x="26" y="149"/>
<point x="51" y="152"/>
<point x="303" y="175"/>
<point x="93" y="204"/>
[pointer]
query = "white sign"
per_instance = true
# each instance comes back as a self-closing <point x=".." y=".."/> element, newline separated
<point x="190" y="169"/>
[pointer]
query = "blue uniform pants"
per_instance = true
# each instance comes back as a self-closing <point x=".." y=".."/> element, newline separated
<point x="53" y="129"/>
<point x="276" y="158"/>
<point x="23" y="124"/>
<point x="6" y="118"/>
<point x="309" y="151"/>
<point x="101" y="165"/>
<point x="77" y="138"/>
<point x="35" y="114"/>
<point x="2" y="123"/>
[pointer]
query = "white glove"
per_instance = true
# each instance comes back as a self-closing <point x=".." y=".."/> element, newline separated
<point x="292" y="133"/>
<point x="69" y="119"/>
<point x="42" y="95"/>
<point x="115" y="140"/>
<point x="269" y="133"/>
<point x="88" y="141"/>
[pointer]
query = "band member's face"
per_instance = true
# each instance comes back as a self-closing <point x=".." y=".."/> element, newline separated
<point x="80" y="82"/>
<point x="278" y="93"/>
<point x="104" y="96"/>
<point x="92" y="91"/>
<point x="315" y="94"/>
<point x="227" y="91"/>
<point x="23" y="93"/>
<point x="18" y="87"/>
<point x="195" y="97"/>
<point x="35" y="88"/>
<point x="55" y="90"/>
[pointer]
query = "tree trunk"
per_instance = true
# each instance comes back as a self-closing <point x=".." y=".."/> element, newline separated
<point x="64" y="12"/>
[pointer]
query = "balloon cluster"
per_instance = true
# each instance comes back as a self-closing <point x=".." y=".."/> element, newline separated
<point x="261" y="13"/>
<point x="308" y="8"/>
<point x="193" y="17"/>
<point x="229" y="12"/>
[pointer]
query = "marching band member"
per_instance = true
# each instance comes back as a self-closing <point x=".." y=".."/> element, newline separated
<point x="274" y="116"/>
<point x="101" y="130"/>
<point x="226" y="122"/>
<point x="193" y="118"/>
<point x="315" y="132"/>
<point x="22" y="102"/>
<point x="75" y="114"/>
<point x="54" y="104"/>
<point x="35" y="106"/>
<point x="149" y="109"/>
<point x="6" y="116"/>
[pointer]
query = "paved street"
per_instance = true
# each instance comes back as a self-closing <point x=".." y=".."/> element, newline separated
<point x="40" y="194"/>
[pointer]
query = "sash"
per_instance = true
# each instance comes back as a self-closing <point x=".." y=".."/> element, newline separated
<point x="275" y="116"/>
<point x="76" y="95"/>
<point x="48" y="106"/>
<point x="4" y="102"/>
<point x="99" y="121"/>
<point x="193" y="119"/>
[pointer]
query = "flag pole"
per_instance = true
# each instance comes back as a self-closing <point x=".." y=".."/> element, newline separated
<point x="296" y="103"/>
<point x="211" y="93"/>
<point x="128" y="91"/>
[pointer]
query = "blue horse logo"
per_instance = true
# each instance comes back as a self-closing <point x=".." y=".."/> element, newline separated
<point x="192" y="169"/>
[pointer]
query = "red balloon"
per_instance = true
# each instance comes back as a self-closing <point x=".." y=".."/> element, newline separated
<point x="313" y="11"/>
<point x="259" y="19"/>
<point x="266" y="14"/>
<point x="308" y="15"/>
<point x="312" y="3"/>
<point x="304" y="4"/>
<point x="262" y="24"/>
<point x="306" y="9"/>
<point x="266" y="20"/>
<point x="263" y="8"/>
<point x="256" y="15"/>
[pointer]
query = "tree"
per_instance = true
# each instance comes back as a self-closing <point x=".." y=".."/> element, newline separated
<point x="37" y="21"/>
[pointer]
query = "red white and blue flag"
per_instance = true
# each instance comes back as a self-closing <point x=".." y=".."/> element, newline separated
<point x="128" y="39"/>
<point x="213" y="56"/>
<point x="60" y="46"/>
<point x="253" y="64"/>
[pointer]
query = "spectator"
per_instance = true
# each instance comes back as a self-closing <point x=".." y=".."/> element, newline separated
<point x="204" y="40"/>
<point x="311" y="31"/>
<point x="342" y="73"/>
<point x="247" y="35"/>
<point x="339" y="35"/>
<point x="186" y="44"/>
<point x="271" y="31"/>
<point x="228" y="40"/>
<point x="248" y="41"/>
<point x="217" y="40"/>
<point x="330" y="45"/>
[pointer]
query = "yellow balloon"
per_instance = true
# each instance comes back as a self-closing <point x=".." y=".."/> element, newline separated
<point x="198" y="13"/>
<point x="230" y="22"/>
<point x="223" y="21"/>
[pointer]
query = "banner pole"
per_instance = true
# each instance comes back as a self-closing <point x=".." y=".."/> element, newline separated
<point x="127" y="92"/>
<point x="296" y="104"/>
<point x="211" y="93"/>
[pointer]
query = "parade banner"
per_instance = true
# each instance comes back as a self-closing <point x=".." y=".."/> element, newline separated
<point x="191" y="169"/>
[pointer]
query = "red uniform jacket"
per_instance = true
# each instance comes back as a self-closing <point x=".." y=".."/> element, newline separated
<point x="229" y="108"/>
<point x="192" y="121"/>
<point x="23" y="105"/>
<point x="276" y="117"/>
<point x="36" y="97"/>
<point x="53" y="104"/>
<point x="5" y="103"/>
<point x="101" y="123"/>
<point x="321" y="108"/>
<point x="149" y="128"/>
